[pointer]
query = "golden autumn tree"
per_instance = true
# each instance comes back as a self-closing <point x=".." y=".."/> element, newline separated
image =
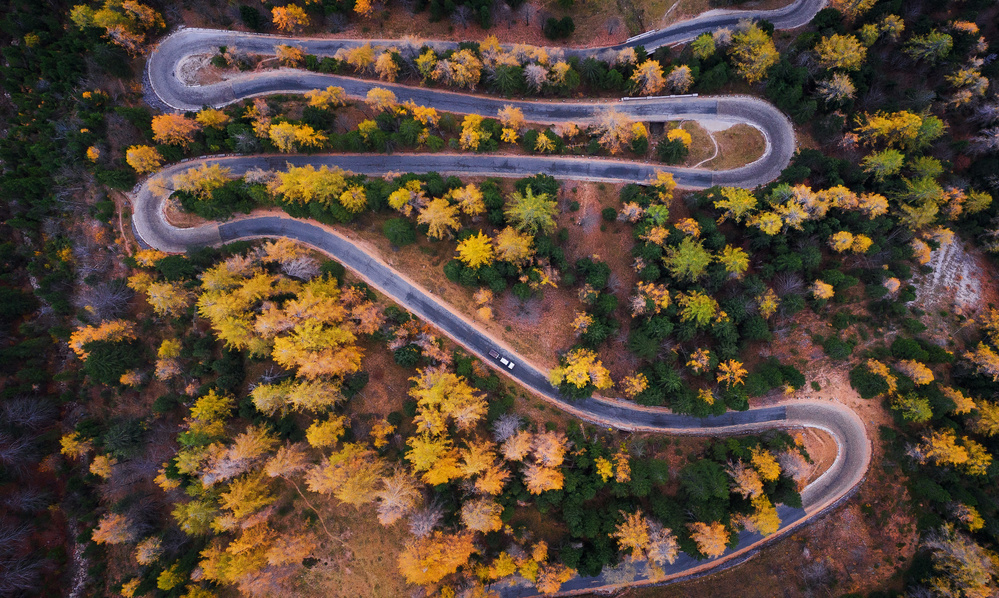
<point x="538" y="478"/>
<point x="290" y="18"/>
<point x="331" y="97"/>
<point x="648" y="78"/>
<point x="581" y="370"/>
<point x="753" y="53"/>
<point x="429" y="559"/>
<point x="440" y="217"/>
<point x="288" y="137"/>
<point x="202" y="180"/>
<point x="482" y="515"/>
<point x="115" y="528"/>
<point x="143" y="158"/>
<point x="476" y="250"/>
<point x="632" y="534"/>
<point x="351" y="474"/>
<point x="514" y="247"/>
<point x="174" y="129"/>
<point x="444" y="398"/>
<point x="841" y="52"/>
<point x="212" y="118"/>
<point x="398" y="496"/>
<point x="711" y="538"/>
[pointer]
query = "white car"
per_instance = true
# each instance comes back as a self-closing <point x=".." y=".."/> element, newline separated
<point x="509" y="364"/>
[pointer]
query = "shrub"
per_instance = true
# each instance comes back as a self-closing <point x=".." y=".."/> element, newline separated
<point x="399" y="231"/>
<point x="555" y="29"/>
<point x="837" y="348"/>
<point x="907" y="348"/>
<point x="868" y="385"/>
<point x="671" y="152"/>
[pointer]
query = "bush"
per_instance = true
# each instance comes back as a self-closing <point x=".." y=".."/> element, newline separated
<point x="399" y="231"/>
<point x="251" y="17"/>
<point x="609" y="214"/>
<point x="671" y="152"/>
<point x="868" y="385"/>
<point x="555" y="29"/>
<point x="837" y="348"/>
<point x="907" y="348"/>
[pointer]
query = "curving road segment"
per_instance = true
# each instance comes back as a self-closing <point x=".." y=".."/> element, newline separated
<point x="845" y="427"/>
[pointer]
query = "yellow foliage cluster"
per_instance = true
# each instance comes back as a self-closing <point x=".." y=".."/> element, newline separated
<point x="580" y="368"/>
<point x="113" y="331"/>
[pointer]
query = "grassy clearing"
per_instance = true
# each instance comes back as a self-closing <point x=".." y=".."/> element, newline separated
<point x="737" y="146"/>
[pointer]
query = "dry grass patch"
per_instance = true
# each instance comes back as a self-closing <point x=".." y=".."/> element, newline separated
<point x="738" y="145"/>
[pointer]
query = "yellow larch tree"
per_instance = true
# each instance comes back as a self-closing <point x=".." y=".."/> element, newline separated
<point x="326" y="433"/>
<point x="549" y="448"/>
<point x="538" y="478"/>
<point x="822" y="290"/>
<point x="648" y="78"/>
<point x="581" y="368"/>
<point x="841" y="52"/>
<point x="290" y="18"/>
<point x="476" y="250"/>
<point x="174" y="129"/>
<point x="351" y="474"/>
<point x="753" y="53"/>
<point x="429" y="559"/>
<point x="289" y="137"/>
<point x="115" y="528"/>
<point x="919" y="373"/>
<point x="711" y="538"/>
<point x="143" y="158"/>
<point x="736" y="204"/>
<point x="202" y="180"/>
<point x="517" y="447"/>
<point x="443" y="397"/>
<point x="382" y="100"/>
<point x="731" y="373"/>
<point x="745" y="480"/>
<point x="359" y="57"/>
<point x="469" y="199"/>
<point x="440" y="217"/>
<point x="632" y="534"/>
<point x="305" y="184"/>
<point x="331" y="97"/>
<point x="765" y="464"/>
<point x="514" y="247"/>
<point x="398" y="496"/>
<point x="212" y="118"/>
<point x="386" y="67"/>
<point x="482" y="515"/>
<point x="634" y="384"/>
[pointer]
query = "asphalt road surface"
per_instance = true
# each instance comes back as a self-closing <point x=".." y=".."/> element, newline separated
<point x="838" y="482"/>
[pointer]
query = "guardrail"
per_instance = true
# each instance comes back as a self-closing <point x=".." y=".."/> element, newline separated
<point x="641" y="35"/>
<point x="682" y="95"/>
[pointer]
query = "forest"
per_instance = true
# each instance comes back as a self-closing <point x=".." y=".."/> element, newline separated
<point x="253" y="416"/>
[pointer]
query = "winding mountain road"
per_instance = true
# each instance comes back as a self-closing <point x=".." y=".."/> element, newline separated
<point x="152" y="228"/>
<point x="845" y="427"/>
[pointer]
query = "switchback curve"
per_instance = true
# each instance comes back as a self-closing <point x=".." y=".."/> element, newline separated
<point x="167" y="88"/>
<point x="845" y="427"/>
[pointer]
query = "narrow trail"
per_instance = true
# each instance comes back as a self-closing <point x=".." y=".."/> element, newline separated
<point x="164" y="88"/>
